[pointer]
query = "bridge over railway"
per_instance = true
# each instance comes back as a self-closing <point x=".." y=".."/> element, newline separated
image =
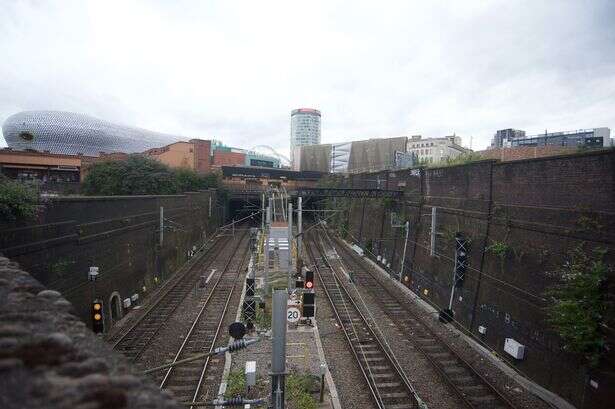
<point x="347" y="192"/>
<point x="250" y="183"/>
<point x="354" y="193"/>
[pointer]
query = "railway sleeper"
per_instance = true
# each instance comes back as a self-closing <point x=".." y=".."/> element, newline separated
<point x="379" y="368"/>
<point x="426" y="340"/>
<point x="394" y="395"/>
<point x="462" y="379"/>
<point x="386" y="385"/>
<point x="372" y="358"/>
<point x="454" y="370"/>
<point x="180" y="389"/>
<point x="182" y="370"/>
<point x="483" y="399"/>
<point x="400" y="406"/>
<point x="472" y="389"/>
<point x="370" y="352"/>
<point x="439" y="355"/>
<point x="367" y="344"/>
<point x="386" y="375"/>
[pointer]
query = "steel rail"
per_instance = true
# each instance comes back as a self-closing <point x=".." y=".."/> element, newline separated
<point x="362" y="267"/>
<point x="166" y="292"/>
<point x="202" y="310"/>
<point x="371" y="382"/>
<point x="368" y="378"/>
<point x="228" y="299"/>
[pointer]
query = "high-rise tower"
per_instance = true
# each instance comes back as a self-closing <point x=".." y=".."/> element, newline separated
<point x="304" y="128"/>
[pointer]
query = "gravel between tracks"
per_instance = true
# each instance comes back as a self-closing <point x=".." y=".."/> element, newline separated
<point x="171" y="335"/>
<point x="428" y="384"/>
<point x="519" y="396"/>
<point x="349" y="381"/>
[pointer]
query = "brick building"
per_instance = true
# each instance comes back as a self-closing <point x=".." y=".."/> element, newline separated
<point x="194" y="154"/>
<point x="225" y="157"/>
<point x="29" y="166"/>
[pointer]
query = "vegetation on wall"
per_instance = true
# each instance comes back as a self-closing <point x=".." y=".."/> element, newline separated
<point x="462" y="159"/>
<point x="188" y="180"/>
<point x="339" y="219"/>
<point x="18" y="202"/>
<point x="139" y="175"/>
<point x="579" y="306"/>
<point x="498" y="249"/>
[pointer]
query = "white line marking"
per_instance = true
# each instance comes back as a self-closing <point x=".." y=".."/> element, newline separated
<point x="213" y="270"/>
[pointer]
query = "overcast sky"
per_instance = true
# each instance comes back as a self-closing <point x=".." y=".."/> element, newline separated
<point x="234" y="70"/>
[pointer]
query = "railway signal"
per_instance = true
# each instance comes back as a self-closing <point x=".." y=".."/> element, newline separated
<point x="459" y="270"/>
<point x="299" y="283"/>
<point x="308" y="305"/>
<point x="98" y="321"/>
<point x="461" y="259"/>
<point x="309" y="279"/>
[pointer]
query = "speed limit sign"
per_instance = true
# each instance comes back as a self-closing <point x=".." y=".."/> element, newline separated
<point x="293" y="314"/>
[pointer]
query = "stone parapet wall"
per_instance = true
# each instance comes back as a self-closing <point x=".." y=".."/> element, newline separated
<point x="50" y="359"/>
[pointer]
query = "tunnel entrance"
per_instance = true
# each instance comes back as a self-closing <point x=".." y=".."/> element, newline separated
<point x="239" y="208"/>
<point x="115" y="307"/>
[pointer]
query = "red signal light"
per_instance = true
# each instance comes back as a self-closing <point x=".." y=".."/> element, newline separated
<point x="309" y="279"/>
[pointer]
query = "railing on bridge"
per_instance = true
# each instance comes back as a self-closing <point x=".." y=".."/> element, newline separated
<point x="357" y="193"/>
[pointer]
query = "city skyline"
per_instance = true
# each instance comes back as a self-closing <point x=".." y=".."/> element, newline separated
<point x="484" y="67"/>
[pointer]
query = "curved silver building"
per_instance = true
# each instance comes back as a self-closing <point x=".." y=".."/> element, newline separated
<point x="72" y="134"/>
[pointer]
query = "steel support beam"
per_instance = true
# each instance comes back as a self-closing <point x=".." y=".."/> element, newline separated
<point x="343" y="192"/>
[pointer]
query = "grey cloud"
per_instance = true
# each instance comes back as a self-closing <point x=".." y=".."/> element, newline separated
<point x="235" y="70"/>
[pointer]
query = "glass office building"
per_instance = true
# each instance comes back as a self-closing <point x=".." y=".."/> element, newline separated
<point x="304" y="127"/>
<point x="77" y="134"/>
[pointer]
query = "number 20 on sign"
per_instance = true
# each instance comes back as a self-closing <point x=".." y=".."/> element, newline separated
<point x="293" y="314"/>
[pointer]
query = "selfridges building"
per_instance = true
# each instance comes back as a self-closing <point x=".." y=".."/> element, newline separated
<point x="77" y="134"/>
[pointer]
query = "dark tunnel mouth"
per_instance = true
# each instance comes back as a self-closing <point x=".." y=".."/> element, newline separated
<point x="26" y="136"/>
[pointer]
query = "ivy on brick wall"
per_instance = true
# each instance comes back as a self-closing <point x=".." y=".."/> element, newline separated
<point x="579" y="306"/>
<point x="18" y="202"/>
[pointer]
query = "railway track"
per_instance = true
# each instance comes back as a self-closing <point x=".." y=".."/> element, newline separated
<point x="186" y="381"/>
<point x="385" y="378"/>
<point x="140" y="334"/>
<point x="471" y="387"/>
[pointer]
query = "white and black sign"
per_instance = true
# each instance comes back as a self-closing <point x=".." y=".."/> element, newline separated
<point x="293" y="314"/>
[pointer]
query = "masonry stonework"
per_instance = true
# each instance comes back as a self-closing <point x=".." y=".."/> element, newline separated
<point x="539" y="210"/>
<point x="120" y="235"/>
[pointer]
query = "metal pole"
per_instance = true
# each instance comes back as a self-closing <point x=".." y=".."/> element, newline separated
<point x="299" y="226"/>
<point x="209" y="208"/>
<point x="403" y="257"/>
<point x="278" y="351"/>
<point x="263" y="215"/>
<point x="290" y="246"/>
<point x="266" y="237"/>
<point x="290" y="224"/>
<point x="432" y="250"/>
<point x="161" y="225"/>
<point x="450" y="302"/>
